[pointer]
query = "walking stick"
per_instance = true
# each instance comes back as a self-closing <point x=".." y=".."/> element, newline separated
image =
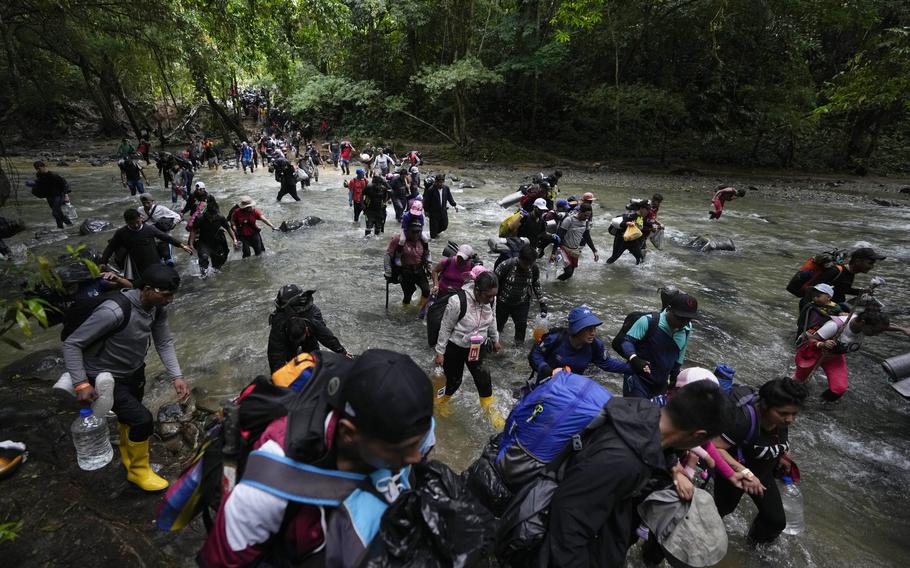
<point x="387" y="294"/>
<point x="859" y="306"/>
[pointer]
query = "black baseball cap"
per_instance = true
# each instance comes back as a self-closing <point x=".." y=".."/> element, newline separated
<point x="683" y="306"/>
<point x="867" y="252"/>
<point x="160" y="276"/>
<point x="388" y="396"/>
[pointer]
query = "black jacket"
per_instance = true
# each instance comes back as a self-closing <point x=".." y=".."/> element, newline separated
<point x="140" y="245"/>
<point x="592" y="515"/>
<point x="298" y="329"/>
<point x="50" y="185"/>
<point x="432" y="204"/>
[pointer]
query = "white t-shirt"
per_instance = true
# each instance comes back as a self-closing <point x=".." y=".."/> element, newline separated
<point x="848" y="340"/>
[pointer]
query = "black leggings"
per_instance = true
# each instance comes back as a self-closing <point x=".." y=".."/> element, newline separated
<point x="411" y="280"/>
<point x="519" y="314"/>
<point x="128" y="393"/>
<point x="620" y="246"/>
<point x="358" y="209"/>
<point x="769" y="522"/>
<point x="453" y="364"/>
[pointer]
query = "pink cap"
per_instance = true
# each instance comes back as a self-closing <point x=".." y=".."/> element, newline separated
<point x="416" y="207"/>
<point x="694" y="374"/>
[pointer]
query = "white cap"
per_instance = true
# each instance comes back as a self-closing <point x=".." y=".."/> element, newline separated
<point x="465" y="252"/>
<point x="199" y="185"/>
<point x="541" y="203"/>
<point x="824" y="289"/>
<point x="694" y="374"/>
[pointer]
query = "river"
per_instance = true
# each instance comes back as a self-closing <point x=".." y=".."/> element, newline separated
<point x="855" y="459"/>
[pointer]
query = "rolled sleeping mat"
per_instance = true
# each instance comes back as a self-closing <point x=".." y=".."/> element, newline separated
<point x="365" y="157"/>
<point x="615" y="224"/>
<point x="500" y="245"/>
<point x="510" y="200"/>
<point x="551" y="227"/>
<point x="897" y="367"/>
<point x="450" y="250"/>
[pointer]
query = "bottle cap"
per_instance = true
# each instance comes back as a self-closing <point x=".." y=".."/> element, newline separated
<point x="787" y="480"/>
<point x="85" y="412"/>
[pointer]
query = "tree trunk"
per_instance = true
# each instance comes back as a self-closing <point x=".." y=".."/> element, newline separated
<point x="229" y="122"/>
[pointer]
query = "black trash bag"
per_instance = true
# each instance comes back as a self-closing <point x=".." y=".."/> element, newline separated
<point x="438" y="524"/>
<point x="524" y="524"/>
<point x="484" y="481"/>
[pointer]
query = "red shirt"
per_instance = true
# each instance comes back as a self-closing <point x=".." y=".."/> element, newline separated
<point x="346" y="152"/>
<point x="245" y="220"/>
<point x="356" y="187"/>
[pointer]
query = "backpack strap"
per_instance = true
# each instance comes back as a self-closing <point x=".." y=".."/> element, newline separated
<point x="299" y="482"/>
<point x="463" y="299"/>
<point x="747" y="403"/>
<point x="653" y="324"/>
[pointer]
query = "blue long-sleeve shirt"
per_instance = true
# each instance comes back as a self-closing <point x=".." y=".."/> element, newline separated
<point x="555" y="350"/>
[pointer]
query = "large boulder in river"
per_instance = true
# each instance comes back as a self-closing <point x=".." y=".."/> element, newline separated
<point x="707" y="244"/>
<point x="295" y="224"/>
<point x="91" y="226"/>
<point x="9" y="228"/>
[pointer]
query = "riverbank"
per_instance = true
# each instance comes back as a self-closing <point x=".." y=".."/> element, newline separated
<point x="72" y="517"/>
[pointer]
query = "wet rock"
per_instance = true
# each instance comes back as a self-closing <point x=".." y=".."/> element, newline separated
<point x="752" y="188"/>
<point x="91" y="226"/>
<point x="63" y="164"/>
<point x="685" y="172"/>
<point x="96" y="162"/>
<point x="9" y="228"/>
<point x="885" y="202"/>
<point x="45" y="364"/>
<point x="708" y="244"/>
<point x="172" y="416"/>
<point x="293" y="225"/>
<point x="905" y="190"/>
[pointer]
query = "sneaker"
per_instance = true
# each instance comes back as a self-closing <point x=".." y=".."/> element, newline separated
<point x="64" y="386"/>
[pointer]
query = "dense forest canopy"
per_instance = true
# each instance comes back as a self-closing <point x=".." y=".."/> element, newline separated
<point x="791" y="83"/>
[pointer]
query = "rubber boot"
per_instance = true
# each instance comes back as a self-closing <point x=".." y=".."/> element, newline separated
<point x="496" y="420"/>
<point x="139" y="472"/>
<point x="441" y="405"/>
<point x="124" y="455"/>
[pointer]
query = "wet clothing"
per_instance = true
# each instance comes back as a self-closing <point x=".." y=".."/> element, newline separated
<point x="455" y="341"/>
<point x="211" y="243"/>
<point x="516" y="286"/>
<point x="620" y="245"/>
<point x="720" y="199"/>
<point x="833" y="362"/>
<point x="355" y="195"/>
<point x="593" y="513"/>
<point x="53" y="188"/>
<point x="555" y="350"/>
<point x="573" y="233"/>
<point x="140" y="245"/>
<point x="665" y="350"/>
<point x="400" y="194"/>
<point x="374" y="201"/>
<point x="164" y="220"/>
<point x="406" y="261"/>
<point x="133" y="173"/>
<point x="287" y="177"/>
<point x="298" y="329"/>
<point x="761" y="454"/>
<point x="436" y="200"/>
<point x="249" y="235"/>
<point x="453" y="276"/>
<point x="534" y="228"/>
<point x="841" y="281"/>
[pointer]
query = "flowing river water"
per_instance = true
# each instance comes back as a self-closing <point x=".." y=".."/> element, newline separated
<point x="855" y="460"/>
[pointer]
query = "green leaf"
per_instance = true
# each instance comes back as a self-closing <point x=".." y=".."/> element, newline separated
<point x="22" y="320"/>
<point x="37" y="309"/>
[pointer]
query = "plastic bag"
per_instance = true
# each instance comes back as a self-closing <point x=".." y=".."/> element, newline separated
<point x="525" y="523"/>
<point x="438" y="524"/>
<point x="657" y="239"/>
<point x="632" y="233"/>
<point x="485" y="482"/>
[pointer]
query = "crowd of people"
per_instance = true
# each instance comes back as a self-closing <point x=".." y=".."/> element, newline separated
<point x="321" y="473"/>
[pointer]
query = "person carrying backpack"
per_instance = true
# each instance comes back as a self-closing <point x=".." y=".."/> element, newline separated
<point x="754" y="445"/>
<point x="320" y="478"/>
<point x="406" y="263"/>
<point x="244" y="218"/>
<point x="139" y="240"/>
<point x="162" y="219"/>
<point x="452" y="272"/>
<point x="573" y="233"/>
<point x="355" y="193"/>
<point x="52" y="188"/>
<point x="297" y="326"/>
<point x="576" y="346"/>
<point x="519" y="279"/>
<point x="655" y="347"/>
<point x="114" y="338"/>
<point x="637" y="218"/>
<point x="592" y="514"/>
<point x="463" y="336"/>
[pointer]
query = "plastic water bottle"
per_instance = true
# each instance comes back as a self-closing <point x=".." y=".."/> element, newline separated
<point x="792" y="500"/>
<point x="540" y="328"/>
<point x="92" y="440"/>
<point x="69" y="211"/>
<point x="439" y="382"/>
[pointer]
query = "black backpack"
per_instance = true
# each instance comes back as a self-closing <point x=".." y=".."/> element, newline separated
<point x="80" y="311"/>
<point x="627" y="324"/>
<point x="438" y="309"/>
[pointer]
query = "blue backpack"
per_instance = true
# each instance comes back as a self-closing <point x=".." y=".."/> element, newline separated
<point x="544" y="422"/>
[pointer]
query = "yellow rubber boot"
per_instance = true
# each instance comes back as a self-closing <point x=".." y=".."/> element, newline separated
<point x="496" y="419"/>
<point x="139" y="471"/>
<point x="441" y="405"/>
<point x="124" y="454"/>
